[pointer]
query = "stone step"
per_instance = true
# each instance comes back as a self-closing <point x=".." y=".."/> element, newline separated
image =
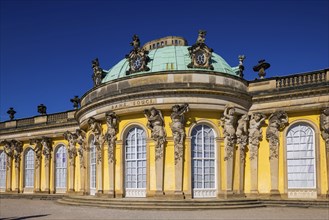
<point x="162" y="207"/>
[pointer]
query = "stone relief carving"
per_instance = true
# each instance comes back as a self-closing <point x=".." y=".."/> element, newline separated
<point x="242" y="135"/>
<point x="81" y="140"/>
<point x="255" y="133"/>
<point x="228" y="122"/>
<point x="178" y="129"/>
<point x="200" y="53"/>
<point x="137" y="58"/>
<point x="156" y="125"/>
<point x="16" y="151"/>
<point x="46" y="143"/>
<point x="96" y="130"/>
<point x="38" y="151"/>
<point x="72" y="152"/>
<point x="277" y="121"/>
<point x="112" y="122"/>
<point x="98" y="73"/>
<point x="324" y="126"/>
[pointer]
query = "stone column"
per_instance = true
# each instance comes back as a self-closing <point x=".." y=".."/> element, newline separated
<point x="178" y="131"/>
<point x="46" y="142"/>
<point x="158" y="134"/>
<point x="99" y="170"/>
<point x="324" y="125"/>
<point x="119" y="171"/>
<point x="277" y="121"/>
<point x="112" y="121"/>
<point x="242" y="140"/>
<point x="18" y="149"/>
<point x="228" y="121"/>
<point x="71" y="172"/>
<point x="255" y="135"/>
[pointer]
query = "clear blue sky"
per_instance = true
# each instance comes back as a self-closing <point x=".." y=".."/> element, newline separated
<point x="47" y="46"/>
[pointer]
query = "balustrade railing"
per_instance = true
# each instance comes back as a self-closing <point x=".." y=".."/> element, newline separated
<point x="300" y="80"/>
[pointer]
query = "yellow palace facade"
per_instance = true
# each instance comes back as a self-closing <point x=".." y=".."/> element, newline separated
<point x="176" y="121"/>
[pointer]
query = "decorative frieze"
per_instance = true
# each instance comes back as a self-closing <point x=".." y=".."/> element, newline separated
<point x="156" y="125"/>
<point x="112" y="122"/>
<point x="178" y="129"/>
<point x="277" y="121"/>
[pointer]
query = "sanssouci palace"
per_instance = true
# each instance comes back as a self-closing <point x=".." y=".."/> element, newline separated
<point x="176" y="121"/>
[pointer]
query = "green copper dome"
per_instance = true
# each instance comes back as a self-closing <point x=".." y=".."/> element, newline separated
<point x="170" y="58"/>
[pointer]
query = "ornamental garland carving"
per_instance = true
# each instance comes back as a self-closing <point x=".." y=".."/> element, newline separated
<point x="156" y="125"/>
<point x="112" y="121"/>
<point x="72" y="152"/>
<point x="255" y="133"/>
<point x="138" y="57"/>
<point x="46" y="142"/>
<point x="228" y="122"/>
<point x="200" y="53"/>
<point x="277" y="121"/>
<point x="242" y="135"/>
<point x="178" y="129"/>
<point x="38" y="151"/>
<point x="96" y="130"/>
<point x="81" y="140"/>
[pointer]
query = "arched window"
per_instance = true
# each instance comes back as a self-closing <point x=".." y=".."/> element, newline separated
<point x="2" y="170"/>
<point x="135" y="163"/>
<point x="203" y="162"/>
<point x="29" y="169"/>
<point x="92" y="167"/>
<point x="301" y="157"/>
<point x="61" y="169"/>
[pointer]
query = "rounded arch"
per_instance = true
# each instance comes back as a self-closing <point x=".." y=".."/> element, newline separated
<point x="60" y="167"/>
<point x="58" y="145"/>
<point x="207" y="122"/>
<point x="3" y="161"/>
<point x="29" y="167"/>
<point x="288" y="148"/>
<point x="131" y="125"/>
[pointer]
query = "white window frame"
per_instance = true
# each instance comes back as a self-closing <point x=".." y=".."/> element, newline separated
<point x="29" y="166"/>
<point x="203" y="192"/>
<point x="61" y="169"/>
<point x="3" y="174"/>
<point x="92" y="167"/>
<point x="135" y="163"/>
<point x="295" y="154"/>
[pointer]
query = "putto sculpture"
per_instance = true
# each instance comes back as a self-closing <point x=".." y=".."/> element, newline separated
<point x="228" y="122"/>
<point x="255" y="133"/>
<point x="98" y="73"/>
<point x="112" y="121"/>
<point x="277" y="121"/>
<point x="200" y="53"/>
<point x="156" y="125"/>
<point x="178" y="128"/>
<point x="138" y="57"/>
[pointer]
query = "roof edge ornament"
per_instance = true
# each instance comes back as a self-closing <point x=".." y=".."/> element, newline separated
<point x="200" y="53"/>
<point x="98" y="73"/>
<point x="138" y="57"/>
